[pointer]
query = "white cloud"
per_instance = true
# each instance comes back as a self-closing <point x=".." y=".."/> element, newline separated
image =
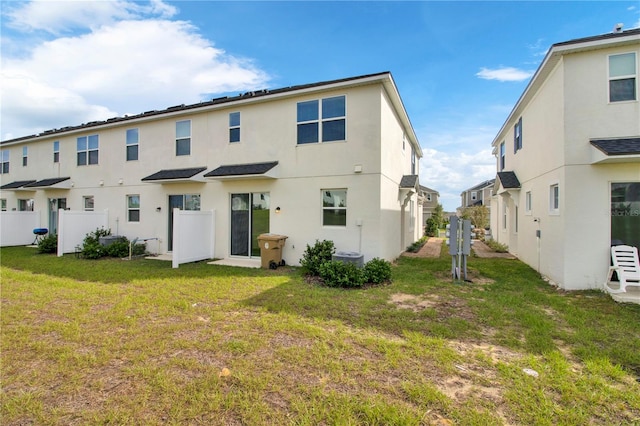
<point x="504" y="74"/>
<point x="108" y="72"/>
<point x="452" y="173"/>
<point x="60" y="16"/>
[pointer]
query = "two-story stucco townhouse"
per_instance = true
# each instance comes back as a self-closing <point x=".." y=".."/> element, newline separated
<point x="430" y="199"/>
<point x="335" y="160"/>
<point x="568" y="161"/>
<point x="478" y="195"/>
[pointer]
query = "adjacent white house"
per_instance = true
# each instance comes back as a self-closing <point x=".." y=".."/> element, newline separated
<point x="568" y="161"/>
<point x="334" y="160"/>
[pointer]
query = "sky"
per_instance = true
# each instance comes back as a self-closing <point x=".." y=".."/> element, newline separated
<point x="460" y="66"/>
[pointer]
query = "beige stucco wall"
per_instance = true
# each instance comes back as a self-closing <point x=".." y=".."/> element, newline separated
<point x="268" y="133"/>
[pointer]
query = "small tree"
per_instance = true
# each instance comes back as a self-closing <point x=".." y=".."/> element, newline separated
<point x="438" y="216"/>
<point x="479" y="216"/>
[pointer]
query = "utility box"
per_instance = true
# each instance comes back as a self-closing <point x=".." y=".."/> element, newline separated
<point x="109" y="239"/>
<point x="349" y="257"/>
<point x="271" y="250"/>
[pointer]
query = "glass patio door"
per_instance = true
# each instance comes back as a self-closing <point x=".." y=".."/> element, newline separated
<point x="249" y="219"/>
<point x="54" y="205"/>
<point x="182" y="202"/>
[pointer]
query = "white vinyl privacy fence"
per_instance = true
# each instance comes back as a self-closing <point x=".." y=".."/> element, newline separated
<point x="74" y="225"/>
<point x="193" y="236"/>
<point x="16" y="228"/>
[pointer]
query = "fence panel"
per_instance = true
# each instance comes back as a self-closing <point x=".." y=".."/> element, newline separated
<point x="16" y="228"/>
<point x="193" y="236"/>
<point x="74" y="225"/>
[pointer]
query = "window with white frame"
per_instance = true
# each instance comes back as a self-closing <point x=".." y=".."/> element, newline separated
<point x="412" y="216"/>
<point x="334" y="207"/>
<point x="322" y="120"/>
<point x="87" y="148"/>
<point x="132" y="144"/>
<point x="87" y="203"/>
<point x="622" y="77"/>
<point x="56" y="151"/>
<point x="428" y="196"/>
<point x="554" y="198"/>
<point x="25" y="205"/>
<point x="3" y="204"/>
<point x="517" y="135"/>
<point x="25" y="155"/>
<point x="5" y="161"/>
<point x="474" y="195"/>
<point x="413" y="161"/>
<point x="404" y="141"/>
<point x="502" y="156"/>
<point x="234" y="127"/>
<point x="527" y="202"/>
<point x="183" y="137"/>
<point x="133" y="208"/>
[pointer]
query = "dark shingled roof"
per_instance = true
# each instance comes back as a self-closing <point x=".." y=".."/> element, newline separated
<point x="17" y="184"/>
<point x="508" y="180"/>
<point x="622" y="146"/>
<point x="46" y="182"/>
<point x="409" y="181"/>
<point x="483" y="185"/>
<point x="175" y="174"/>
<point x="242" y="169"/>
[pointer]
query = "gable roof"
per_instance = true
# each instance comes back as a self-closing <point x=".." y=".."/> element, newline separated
<point x="554" y="56"/>
<point x="409" y="181"/>
<point x="482" y="185"/>
<point x="427" y="189"/>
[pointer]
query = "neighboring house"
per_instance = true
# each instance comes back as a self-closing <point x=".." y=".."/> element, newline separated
<point x="335" y="160"/>
<point x="568" y="161"/>
<point x="429" y="198"/>
<point x="479" y="195"/>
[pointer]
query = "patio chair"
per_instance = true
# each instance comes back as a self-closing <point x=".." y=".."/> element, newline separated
<point x="626" y="266"/>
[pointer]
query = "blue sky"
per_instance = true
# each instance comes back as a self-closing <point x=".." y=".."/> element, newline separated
<point x="459" y="66"/>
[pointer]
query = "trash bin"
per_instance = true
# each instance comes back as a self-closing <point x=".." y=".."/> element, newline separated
<point x="271" y="250"/>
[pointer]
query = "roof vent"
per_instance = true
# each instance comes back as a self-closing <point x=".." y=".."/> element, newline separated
<point x="617" y="28"/>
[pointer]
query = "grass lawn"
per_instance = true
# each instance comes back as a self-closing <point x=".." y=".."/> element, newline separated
<point x="137" y="342"/>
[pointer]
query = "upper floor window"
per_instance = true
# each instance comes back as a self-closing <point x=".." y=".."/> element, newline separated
<point x="502" y="155"/>
<point x="87" y="150"/>
<point x="413" y="161"/>
<point x="428" y="196"/>
<point x="5" y="161"/>
<point x="183" y="137"/>
<point x="132" y="142"/>
<point x="25" y="155"/>
<point x="517" y="135"/>
<point x="334" y="207"/>
<point x="322" y="120"/>
<point x="87" y="202"/>
<point x="527" y="202"/>
<point x="56" y="152"/>
<point x="234" y="127"/>
<point x="474" y="195"/>
<point x="622" y="77"/>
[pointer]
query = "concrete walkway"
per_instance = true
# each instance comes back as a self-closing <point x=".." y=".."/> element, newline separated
<point x="434" y="244"/>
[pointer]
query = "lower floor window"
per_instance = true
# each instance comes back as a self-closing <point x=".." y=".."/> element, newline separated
<point x="3" y="204"/>
<point x="87" y="203"/>
<point x="25" y="205"/>
<point x="133" y="208"/>
<point x="334" y="207"/>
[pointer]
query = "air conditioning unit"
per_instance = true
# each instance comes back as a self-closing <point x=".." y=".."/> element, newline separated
<point x="349" y="257"/>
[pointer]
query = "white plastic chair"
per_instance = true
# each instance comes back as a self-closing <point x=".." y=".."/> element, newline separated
<point x="626" y="266"/>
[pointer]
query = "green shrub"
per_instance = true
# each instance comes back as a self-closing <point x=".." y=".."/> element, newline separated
<point x="377" y="271"/>
<point x="335" y="273"/>
<point x="48" y="244"/>
<point x="91" y="247"/>
<point x="314" y="257"/>
<point x="496" y="246"/>
<point x="432" y="227"/>
<point x="415" y="247"/>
